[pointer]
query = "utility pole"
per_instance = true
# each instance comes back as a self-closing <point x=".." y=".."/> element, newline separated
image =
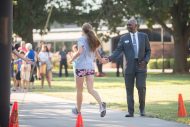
<point x="48" y="18"/>
<point x="44" y="31"/>
<point x="162" y="40"/>
<point x="5" y="58"/>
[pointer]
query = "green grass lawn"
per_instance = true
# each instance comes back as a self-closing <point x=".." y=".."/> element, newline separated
<point x="161" y="97"/>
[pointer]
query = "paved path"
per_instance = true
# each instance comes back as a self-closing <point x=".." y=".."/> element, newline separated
<point x="39" y="110"/>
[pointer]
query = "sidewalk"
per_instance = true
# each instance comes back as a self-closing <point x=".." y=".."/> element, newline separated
<point x="37" y="110"/>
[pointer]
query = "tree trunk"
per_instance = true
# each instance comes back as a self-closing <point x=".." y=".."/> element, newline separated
<point x="180" y="54"/>
<point x="5" y="60"/>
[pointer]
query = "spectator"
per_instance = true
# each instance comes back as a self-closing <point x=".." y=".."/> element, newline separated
<point x="22" y="47"/>
<point x="30" y="54"/>
<point x="71" y="54"/>
<point x="119" y="63"/>
<point x="99" y="64"/>
<point x="25" y="75"/>
<point x="63" y="61"/>
<point x="44" y="65"/>
<point x="18" y="71"/>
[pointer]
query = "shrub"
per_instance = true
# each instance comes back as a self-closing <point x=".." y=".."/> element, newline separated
<point x="171" y="63"/>
<point x="55" y="61"/>
<point x="188" y="62"/>
<point x="70" y="66"/>
<point x="152" y="64"/>
<point x="166" y="63"/>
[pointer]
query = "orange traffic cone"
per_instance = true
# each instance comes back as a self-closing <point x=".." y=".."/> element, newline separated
<point x="79" y="122"/>
<point x="13" y="122"/>
<point x="181" y="107"/>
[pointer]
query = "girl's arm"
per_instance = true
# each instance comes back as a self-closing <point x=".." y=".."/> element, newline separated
<point x="101" y="60"/>
<point x="75" y="55"/>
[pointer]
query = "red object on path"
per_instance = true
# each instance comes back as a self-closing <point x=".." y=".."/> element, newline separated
<point x="13" y="121"/>
<point x="181" y="107"/>
<point x="79" y="122"/>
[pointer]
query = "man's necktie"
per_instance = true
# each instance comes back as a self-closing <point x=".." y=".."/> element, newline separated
<point x="135" y="46"/>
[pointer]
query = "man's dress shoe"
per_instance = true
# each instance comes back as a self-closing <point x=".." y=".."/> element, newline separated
<point x="129" y="115"/>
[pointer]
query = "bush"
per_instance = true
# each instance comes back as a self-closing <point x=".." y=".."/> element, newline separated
<point x="188" y="62"/>
<point x="172" y="63"/>
<point x="55" y="61"/>
<point x="70" y="66"/>
<point x="152" y="64"/>
<point x="166" y="63"/>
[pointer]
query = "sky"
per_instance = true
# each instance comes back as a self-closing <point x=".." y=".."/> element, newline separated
<point x="95" y="4"/>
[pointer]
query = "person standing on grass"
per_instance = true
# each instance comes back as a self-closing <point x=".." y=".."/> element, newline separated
<point x="25" y="75"/>
<point x="136" y="48"/>
<point x="100" y="72"/>
<point x="15" y="52"/>
<point x="18" y="73"/>
<point x="88" y="44"/>
<point x="26" y="60"/>
<point x="22" y="47"/>
<point x="45" y="67"/>
<point x="63" y="61"/>
<point x="71" y="54"/>
<point x="30" y="54"/>
<point x="119" y="63"/>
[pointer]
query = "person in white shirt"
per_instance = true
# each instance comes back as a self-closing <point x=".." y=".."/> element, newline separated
<point x="44" y="63"/>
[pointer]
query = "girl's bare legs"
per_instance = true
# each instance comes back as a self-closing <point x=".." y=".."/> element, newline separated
<point x="79" y="87"/>
<point x="42" y="80"/>
<point x="48" y="78"/>
<point x="94" y="93"/>
<point x="90" y="87"/>
<point x="23" y="84"/>
<point x="19" y="84"/>
<point x="27" y="85"/>
<point x="14" y="83"/>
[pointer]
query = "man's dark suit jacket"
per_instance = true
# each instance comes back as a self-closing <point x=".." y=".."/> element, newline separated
<point x="125" y="45"/>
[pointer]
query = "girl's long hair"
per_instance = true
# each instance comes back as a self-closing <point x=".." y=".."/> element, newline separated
<point x="93" y="41"/>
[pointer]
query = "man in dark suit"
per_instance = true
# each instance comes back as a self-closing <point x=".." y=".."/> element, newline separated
<point x="136" y="48"/>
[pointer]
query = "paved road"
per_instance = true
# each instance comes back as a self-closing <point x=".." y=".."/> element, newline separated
<point x="37" y="110"/>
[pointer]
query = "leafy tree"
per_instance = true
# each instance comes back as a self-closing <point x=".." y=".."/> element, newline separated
<point x="156" y="11"/>
<point x="29" y="14"/>
<point x="32" y="14"/>
<point x="78" y="12"/>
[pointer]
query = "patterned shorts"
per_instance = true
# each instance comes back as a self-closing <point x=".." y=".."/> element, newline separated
<point x="84" y="72"/>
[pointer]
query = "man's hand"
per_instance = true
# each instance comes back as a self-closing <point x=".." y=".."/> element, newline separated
<point x="104" y="60"/>
<point x="142" y="64"/>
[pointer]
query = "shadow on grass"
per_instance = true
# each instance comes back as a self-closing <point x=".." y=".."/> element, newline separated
<point x="167" y="110"/>
<point x="152" y="77"/>
<point x="55" y="89"/>
<point x="66" y="84"/>
<point x="170" y="77"/>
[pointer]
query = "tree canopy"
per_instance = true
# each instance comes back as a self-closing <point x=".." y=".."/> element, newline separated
<point x="176" y="12"/>
<point x="112" y="13"/>
<point x="28" y="14"/>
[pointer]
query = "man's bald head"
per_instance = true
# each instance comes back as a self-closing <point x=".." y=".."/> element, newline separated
<point x="132" y="21"/>
<point x="132" y="25"/>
